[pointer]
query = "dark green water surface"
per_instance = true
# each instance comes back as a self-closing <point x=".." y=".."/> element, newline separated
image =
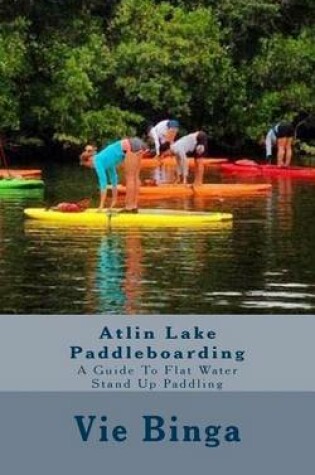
<point x="264" y="263"/>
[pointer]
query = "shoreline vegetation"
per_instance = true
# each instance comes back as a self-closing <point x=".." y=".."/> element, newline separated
<point x="73" y="72"/>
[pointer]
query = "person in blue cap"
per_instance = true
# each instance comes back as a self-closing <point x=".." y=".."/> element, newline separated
<point x="163" y="135"/>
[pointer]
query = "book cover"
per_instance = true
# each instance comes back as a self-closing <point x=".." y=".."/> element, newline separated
<point x="180" y="338"/>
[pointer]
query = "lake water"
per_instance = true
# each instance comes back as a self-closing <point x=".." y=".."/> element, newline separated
<point x="264" y="263"/>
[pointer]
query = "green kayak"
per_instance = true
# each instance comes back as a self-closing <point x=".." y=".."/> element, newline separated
<point x="18" y="183"/>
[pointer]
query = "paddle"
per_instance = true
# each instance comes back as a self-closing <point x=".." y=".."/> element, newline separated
<point x="109" y="214"/>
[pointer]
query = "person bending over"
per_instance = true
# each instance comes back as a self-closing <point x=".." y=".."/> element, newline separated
<point x="281" y="136"/>
<point x="163" y="135"/>
<point x="127" y="151"/>
<point x="196" y="144"/>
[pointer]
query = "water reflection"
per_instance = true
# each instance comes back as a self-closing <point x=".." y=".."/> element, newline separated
<point x="118" y="273"/>
<point x="129" y="271"/>
<point x="285" y="203"/>
<point x="263" y="263"/>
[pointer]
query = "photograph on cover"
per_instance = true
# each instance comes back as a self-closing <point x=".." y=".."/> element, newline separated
<point x="157" y="158"/>
<point x="157" y="258"/>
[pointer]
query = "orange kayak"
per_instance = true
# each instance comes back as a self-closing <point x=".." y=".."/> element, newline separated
<point x="168" y="190"/>
<point x="221" y="189"/>
<point x="170" y="161"/>
<point x="16" y="173"/>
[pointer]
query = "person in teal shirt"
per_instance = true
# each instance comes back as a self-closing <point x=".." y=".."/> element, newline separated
<point x="128" y="151"/>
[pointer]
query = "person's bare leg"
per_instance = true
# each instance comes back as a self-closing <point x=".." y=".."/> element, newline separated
<point x="132" y="170"/>
<point x="137" y="167"/>
<point x="129" y="181"/>
<point x="280" y="151"/>
<point x="288" y="152"/>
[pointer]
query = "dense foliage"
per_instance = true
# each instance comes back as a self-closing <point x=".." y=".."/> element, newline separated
<point x="74" y="71"/>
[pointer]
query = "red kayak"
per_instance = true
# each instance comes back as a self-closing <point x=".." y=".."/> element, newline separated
<point x="244" y="167"/>
<point x="171" y="161"/>
<point x="16" y="173"/>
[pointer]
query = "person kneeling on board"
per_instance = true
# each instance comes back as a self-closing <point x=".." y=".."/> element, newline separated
<point x="281" y="136"/>
<point x="195" y="144"/>
<point x="127" y="151"/>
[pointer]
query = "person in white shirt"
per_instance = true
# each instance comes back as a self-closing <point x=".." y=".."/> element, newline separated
<point x="163" y="135"/>
<point x="196" y="144"/>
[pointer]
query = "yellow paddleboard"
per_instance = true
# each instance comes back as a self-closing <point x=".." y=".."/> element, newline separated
<point x="144" y="218"/>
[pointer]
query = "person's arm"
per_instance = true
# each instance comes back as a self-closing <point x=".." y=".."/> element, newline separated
<point x="199" y="171"/>
<point x="114" y="197"/>
<point x="103" y="196"/>
<point x="270" y="140"/>
<point x="102" y="179"/>
<point x="184" y="164"/>
<point x="113" y="177"/>
<point x="156" y="140"/>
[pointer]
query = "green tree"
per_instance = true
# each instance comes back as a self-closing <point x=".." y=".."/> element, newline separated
<point x="170" y="61"/>
<point x="98" y="69"/>
<point x="13" y="66"/>
<point x="281" y="80"/>
<point x="70" y="95"/>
